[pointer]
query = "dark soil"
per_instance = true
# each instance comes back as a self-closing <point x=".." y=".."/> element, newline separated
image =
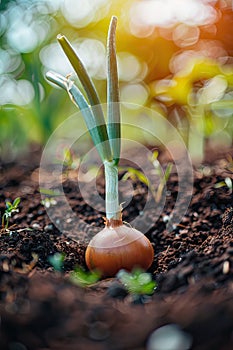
<point x="193" y="265"/>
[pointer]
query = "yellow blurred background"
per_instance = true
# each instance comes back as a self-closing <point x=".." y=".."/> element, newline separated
<point x="174" y="56"/>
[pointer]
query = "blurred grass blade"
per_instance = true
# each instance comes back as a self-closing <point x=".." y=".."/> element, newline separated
<point x="167" y="172"/>
<point x="114" y="132"/>
<point x="134" y="173"/>
<point x="90" y="91"/>
<point x="49" y="192"/>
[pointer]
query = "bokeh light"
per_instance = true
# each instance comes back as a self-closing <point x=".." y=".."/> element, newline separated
<point x="170" y="53"/>
<point x="130" y="68"/>
<point x="134" y="95"/>
<point x="18" y="92"/>
<point x="92" y="52"/>
<point x="26" y="28"/>
<point x="9" y="61"/>
<point x="53" y="58"/>
<point x="166" y="13"/>
<point x="213" y="90"/>
<point x="185" y="35"/>
<point x="83" y="12"/>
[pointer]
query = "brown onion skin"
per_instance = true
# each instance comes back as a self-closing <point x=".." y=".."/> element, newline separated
<point x="118" y="248"/>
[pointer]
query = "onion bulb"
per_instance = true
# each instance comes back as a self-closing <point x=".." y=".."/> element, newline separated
<point x="118" y="247"/>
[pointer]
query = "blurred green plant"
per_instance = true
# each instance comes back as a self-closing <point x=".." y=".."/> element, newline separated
<point x="227" y="182"/>
<point x="57" y="261"/>
<point x="199" y="99"/>
<point x="71" y="161"/>
<point x="84" y="278"/>
<point x="137" y="282"/>
<point x="10" y="209"/>
<point x="162" y="175"/>
<point x="48" y="202"/>
<point x="29" y="108"/>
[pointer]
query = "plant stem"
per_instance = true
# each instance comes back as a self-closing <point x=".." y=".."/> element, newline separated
<point x="113" y="210"/>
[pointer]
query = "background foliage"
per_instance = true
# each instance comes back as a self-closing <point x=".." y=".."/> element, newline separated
<point x="174" y="56"/>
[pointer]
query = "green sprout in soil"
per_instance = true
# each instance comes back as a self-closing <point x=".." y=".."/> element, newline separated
<point x="57" y="261"/>
<point x="138" y="282"/>
<point x="84" y="278"/>
<point x="163" y="176"/>
<point x="69" y="161"/>
<point x="10" y="209"/>
<point x="227" y="182"/>
<point x="117" y="246"/>
<point x="49" y="201"/>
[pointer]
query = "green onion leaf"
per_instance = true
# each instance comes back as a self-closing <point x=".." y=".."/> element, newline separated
<point x="114" y="132"/>
<point x="80" y="70"/>
<point x="79" y="100"/>
<point x="57" y="79"/>
<point x="96" y="131"/>
<point x="90" y="91"/>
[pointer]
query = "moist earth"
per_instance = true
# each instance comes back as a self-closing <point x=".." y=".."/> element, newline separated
<point x="41" y="308"/>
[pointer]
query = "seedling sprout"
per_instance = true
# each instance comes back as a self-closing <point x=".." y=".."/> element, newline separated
<point x="163" y="176"/>
<point x="10" y="209"/>
<point x="227" y="182"/>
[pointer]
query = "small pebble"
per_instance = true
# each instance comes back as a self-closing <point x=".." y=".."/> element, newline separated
<point x="169" y="337"/>
<point x="166" y="218"/>
<point x="226" y="267"/>
<point x="48" y="227"/>
<point x="36" y="226"/>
